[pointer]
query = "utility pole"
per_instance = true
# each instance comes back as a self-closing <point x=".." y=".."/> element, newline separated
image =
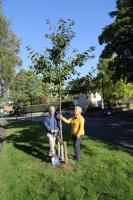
<point x="103" y="94"/>
<point x="2" y="85"/>
<point x="2" y="81"/>
<point x="32" y="105"/>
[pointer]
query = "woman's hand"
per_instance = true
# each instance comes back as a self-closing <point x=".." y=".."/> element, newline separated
<point x="61" y="117"/>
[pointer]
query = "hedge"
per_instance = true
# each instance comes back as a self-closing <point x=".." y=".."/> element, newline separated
<point x="44" y="107"/>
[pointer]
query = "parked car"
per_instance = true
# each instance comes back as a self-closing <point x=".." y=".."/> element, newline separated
<point x="109" y="111"/>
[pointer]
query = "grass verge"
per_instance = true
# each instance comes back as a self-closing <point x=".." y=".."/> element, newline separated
<point x="26" y="173"/>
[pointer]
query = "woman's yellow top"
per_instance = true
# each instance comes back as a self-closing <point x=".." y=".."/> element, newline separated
<point x="77" y="125"/>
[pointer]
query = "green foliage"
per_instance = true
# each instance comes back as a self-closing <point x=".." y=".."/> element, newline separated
<point x="124" y="91"/>
<point x="111" y="91"/>
<point x="27" y="88"/>
<point x="118" y="40"/>
<point x="85" y="85"/>
<point x="9" y="47"/>
<point x="37" y="108"/>
<point x="68" y="105"/>
<point x="54" y="64"/>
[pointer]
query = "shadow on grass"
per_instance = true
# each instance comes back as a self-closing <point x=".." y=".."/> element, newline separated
<point x="30" y="138"/>
<point x="32" y="150"/>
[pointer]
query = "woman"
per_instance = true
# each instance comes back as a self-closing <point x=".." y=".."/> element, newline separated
<point x="77" y="129"/>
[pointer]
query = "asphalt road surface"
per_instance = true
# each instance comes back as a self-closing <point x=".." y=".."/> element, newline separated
<point x="116" y="130"/>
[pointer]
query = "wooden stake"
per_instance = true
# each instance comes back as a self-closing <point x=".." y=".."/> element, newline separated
<point x="65" y="152"/>
<point x="61" y="136"/>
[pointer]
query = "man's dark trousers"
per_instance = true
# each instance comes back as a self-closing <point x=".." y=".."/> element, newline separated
<point x="77" y="142"/>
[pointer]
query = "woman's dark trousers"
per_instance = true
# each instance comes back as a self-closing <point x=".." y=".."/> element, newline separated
<point x="77" y="142"/>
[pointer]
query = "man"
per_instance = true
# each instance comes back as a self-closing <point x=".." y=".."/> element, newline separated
<point x="52" y="128"/>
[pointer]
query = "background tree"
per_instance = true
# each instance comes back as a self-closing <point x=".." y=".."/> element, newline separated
<point x="84" y="85"/>
<point x="118" y="40"/>
<point x="27" y="87"/>
<point x="104" y="82"/>
<point x="54" y="64"/>
<point x="9" y="47"/>
<point x="123" y="91"/>
<point x="111" y="91"/>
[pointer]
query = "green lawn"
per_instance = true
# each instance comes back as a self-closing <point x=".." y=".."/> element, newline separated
<point x="105" y="172"/>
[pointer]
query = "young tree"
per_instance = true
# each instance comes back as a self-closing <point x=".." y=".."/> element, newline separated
<point x="54" y="64"/>
<point x="9" y="47"/>
<point x="118" y="40"/>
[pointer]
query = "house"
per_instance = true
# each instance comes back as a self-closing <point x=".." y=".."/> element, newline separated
<point x="8" y="108"/>
<point x="81" y="101"/>
<point x="5" y="107"/>
<point x="94" y="100"/>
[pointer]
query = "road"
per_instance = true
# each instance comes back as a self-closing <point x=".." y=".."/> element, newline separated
<point x="115" y="130"/>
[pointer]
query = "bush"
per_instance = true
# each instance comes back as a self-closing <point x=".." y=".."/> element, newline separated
<point x="68" y="105"/>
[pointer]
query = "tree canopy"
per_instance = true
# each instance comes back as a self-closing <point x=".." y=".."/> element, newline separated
<point x="110" y="90"/>
<point x="118" y="40"/>
<point x="27" y="87"/>
<point x="84" y="85"/>
<point x="54" y="64"/>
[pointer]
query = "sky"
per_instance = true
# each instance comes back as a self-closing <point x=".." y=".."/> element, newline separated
<point x="28" y="17"/>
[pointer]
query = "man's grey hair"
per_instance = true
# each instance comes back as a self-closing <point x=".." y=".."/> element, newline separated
<point x="51" y="107"/>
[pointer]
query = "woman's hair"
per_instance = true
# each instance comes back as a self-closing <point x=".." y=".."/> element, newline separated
<point x="79" y="108"/>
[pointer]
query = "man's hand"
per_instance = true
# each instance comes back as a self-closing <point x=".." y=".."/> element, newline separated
<point x="52" y="131"/>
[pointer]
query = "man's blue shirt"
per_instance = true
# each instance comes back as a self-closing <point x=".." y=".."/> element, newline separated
<point x="50" y="122"/>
